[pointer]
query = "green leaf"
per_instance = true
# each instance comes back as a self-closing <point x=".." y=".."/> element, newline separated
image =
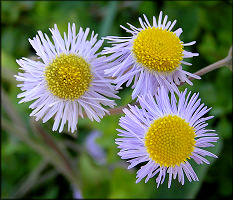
<point x="108" y="19"/>
<point x="9" y="62"/>
<point x="187" y="19"/>
<point x="224" y="128"/>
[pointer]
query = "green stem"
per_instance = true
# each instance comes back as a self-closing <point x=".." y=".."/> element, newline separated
<point x="45" y="151"/>
<point x="71" y="173"/>
<point x="54" y="146"/>
<point x="30" y="182"/>
<point x="11" y="112"/>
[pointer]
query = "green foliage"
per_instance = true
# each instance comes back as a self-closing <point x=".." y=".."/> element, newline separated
<point x="123" y="185"/>
<point x="23" y="147"/>
<point x="95" y="179"/>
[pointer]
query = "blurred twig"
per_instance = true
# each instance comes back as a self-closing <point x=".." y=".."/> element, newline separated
<point x="57" y="158"/>
<point x="46" y="176"/>
<point x="8" y="75"/>
<point x="39" y="147"/>
<point x="119" y="110"/>
<point x="45" y="151"/>
<point x="72" y="145"/>
<point x="30" y="181"/>
<point x="34" y="180"/>
<point x="14" y="116"/>
<point x="69" y="170"/>
<point x="54" y="146"/>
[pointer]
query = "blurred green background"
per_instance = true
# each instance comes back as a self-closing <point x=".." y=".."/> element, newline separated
<point x="39" y="163"/>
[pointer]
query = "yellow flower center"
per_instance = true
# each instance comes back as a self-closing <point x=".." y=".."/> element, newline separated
<point x="170" y="140"/>
<point x="158" y="50"/>
<point x="68" y="76"/>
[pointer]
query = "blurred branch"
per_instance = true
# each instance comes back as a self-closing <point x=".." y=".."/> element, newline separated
<point x="18" y="129"/>
<point x="56" y="157"/>
<point x="35" y="179"/>
<point x="60" y="150"/>
<point x="54" y="146"/>
<point x="14" y="116"/>
<point x="118" y="110"/>
<point x="46" y="176"/>
<point x="45" y="151"/>
<point x="8" y="75"/>
<point x="24" y="136"/>
<point x="31" y="180"/>
<point x="72" y="145"/>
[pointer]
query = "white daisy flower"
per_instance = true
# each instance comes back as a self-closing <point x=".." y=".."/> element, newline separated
<point x="152" y="56"/>
<point x="165" y="134"/>
<point x="69" y="79"/>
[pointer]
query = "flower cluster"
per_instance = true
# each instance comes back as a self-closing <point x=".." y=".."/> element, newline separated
<point x="71" y="78"/>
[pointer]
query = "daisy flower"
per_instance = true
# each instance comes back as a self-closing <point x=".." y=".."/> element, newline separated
<point x="68" y="79"/>
<point x="94" y="149"/>
<point x="152" y="57"/>
<point x="165" y="134"/>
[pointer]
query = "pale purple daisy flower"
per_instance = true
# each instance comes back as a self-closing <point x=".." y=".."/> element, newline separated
<point x="152" y="57"/>
<point x="77" y="193"/>
<point x="94" y="149"/>
<point x="68" y="79"/>
<point x="165" y="134"/>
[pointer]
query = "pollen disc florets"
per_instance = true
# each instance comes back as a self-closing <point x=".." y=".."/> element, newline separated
<point x="170" y="140"/>
<point x="158" y="49"/>
<point x="68" y="76"/>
